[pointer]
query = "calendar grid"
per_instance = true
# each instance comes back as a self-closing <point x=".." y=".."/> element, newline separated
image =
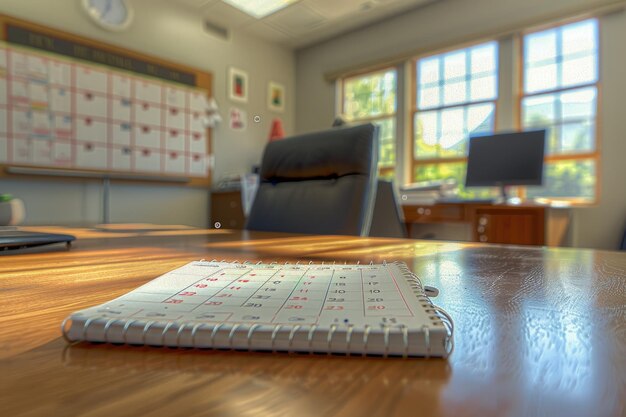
<point x="62" y="113"/>
<point x="370" y="311"/>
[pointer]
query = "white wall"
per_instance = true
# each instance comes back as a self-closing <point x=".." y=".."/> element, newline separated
<point x="175" y="33"/>
<point x="450" y="21"/>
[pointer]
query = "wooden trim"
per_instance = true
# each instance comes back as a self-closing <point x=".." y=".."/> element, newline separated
<point x="432" y="161"/>
<point x="573" y="156"/>
<point x="522" y="95"/>
<point x="204" y="80"/>
<point x="372" y="119"/>
<point x="370" y="71"/>
<point x="554" y="91"/>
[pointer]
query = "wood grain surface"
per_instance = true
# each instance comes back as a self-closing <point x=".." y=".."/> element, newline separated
<point x="537" y="332"/>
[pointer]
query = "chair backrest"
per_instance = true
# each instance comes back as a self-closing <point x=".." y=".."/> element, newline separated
<point x="318" y="183"/>
<point x="388" y="220"/>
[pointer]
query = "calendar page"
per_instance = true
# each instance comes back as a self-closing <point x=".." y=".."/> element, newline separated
<point x="297" y="306"/>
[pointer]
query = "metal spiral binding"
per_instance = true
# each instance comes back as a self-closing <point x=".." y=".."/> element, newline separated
<point x="250" y="332"/>
<point x="386" y="330"/>
<point x="193" y="333"/>
<point x="329" y="337"/>
<point x="291" y="335"/>
<point x="274" y="333"/>
<point x="231" y="335"/>
<point x="366" y="335"/>
<point x="145" y="330"/>
<point x="349" y="339"/>
<point x="439" y="315"/>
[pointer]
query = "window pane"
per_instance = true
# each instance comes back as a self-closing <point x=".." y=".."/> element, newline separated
<point x="426" y="135"/>
<point x="456" y="171"/>
<point x="561" y="57"/>
<point x="483" y="58"/>
<point x="540" y="46"/>
<point x="462" y="76"/>
<point x="429" y="97"/>
<point x="579" y="104"/>
<point x="538" y="111"/>
<point x="480" y="119"/>
<point x="454" y="93"/>
<point x="568" y="116"/>
<point x="579" y="71"/>
<point x="370" y="95"/>
<point x="387" y="142"/>
<point x="444" y="133"/>
<point x="577" y="137"/>
<point x="540" y="78"/>
<point x="567" y="179"/>
<point x="454" y="65"/>
<point x="483" y="88"/>
<point x="452" y="133"/>
<point x="453" y="170"/>
<point x="428" y="71"/>
<point x="579" y="38"/>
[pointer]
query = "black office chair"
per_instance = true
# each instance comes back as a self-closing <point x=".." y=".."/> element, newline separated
<point x="388" y="219"/>
<point x="318" y="183"/>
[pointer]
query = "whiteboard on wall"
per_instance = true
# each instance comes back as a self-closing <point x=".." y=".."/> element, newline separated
<point x="63" y="113"/>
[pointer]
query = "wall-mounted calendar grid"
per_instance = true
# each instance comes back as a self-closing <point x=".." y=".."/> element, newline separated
<point x="55" y="112"/>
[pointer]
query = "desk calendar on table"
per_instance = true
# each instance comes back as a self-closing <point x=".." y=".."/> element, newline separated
<point x="317" y="308"/>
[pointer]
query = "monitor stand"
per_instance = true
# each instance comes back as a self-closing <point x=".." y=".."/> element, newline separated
<point x="503" y="198"/>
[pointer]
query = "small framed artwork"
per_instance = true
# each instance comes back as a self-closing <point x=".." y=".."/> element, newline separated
<point x="238" y="85"/>
<point x="276" y="97"/>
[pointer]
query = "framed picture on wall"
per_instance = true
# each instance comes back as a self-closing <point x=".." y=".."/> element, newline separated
<point x="238" y="85"/>
<point x="276" y="96"/>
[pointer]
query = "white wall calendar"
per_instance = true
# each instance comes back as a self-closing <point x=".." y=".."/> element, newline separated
<point x="59" y="112"/>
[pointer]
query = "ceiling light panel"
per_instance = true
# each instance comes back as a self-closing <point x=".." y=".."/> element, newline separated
<point x="259" y="8"/>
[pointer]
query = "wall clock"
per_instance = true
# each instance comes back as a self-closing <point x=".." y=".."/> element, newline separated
<point x="113" y="15"/>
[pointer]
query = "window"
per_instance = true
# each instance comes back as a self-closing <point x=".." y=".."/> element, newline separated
<point x="455" y="95"/>
<point x="560" y="90"/>
<point x="455" y="98"/>
<point x="372" y="98"/>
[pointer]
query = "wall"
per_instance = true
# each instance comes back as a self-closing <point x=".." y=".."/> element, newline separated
<point x="175" y="33"/>
<point x="456" y="21"/>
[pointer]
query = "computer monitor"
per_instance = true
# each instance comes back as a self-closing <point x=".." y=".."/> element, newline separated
<point x="506" y="159"/>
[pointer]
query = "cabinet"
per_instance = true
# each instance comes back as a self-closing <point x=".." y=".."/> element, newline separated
<point x="517" y="225"/>
<point x="514" y="225"/>
<point x="226" y="210"/>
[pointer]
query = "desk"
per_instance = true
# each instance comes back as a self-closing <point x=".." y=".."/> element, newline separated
<point x="518" y="225"/>
<point x="538" y="332"/>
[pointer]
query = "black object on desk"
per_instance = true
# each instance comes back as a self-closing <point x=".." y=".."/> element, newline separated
<point x="19" y="239"/>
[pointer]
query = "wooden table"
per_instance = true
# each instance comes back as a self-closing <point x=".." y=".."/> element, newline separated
<point x="538" y="332"/>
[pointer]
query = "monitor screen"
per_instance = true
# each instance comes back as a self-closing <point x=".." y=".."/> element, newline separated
<point x="506" y="159"/>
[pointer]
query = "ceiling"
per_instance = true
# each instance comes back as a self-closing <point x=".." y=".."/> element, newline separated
<point x="305" y="22"/>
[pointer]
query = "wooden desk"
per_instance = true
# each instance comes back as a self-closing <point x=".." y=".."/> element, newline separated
<point x="518" y="225"/>
<point x="538" y="332"/>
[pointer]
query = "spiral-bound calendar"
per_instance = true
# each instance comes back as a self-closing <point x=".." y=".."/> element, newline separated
<point x="370" y="309"/>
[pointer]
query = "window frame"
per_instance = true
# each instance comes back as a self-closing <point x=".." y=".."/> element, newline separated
<point x="413" y="108"/>
<point x="594" y="156"/>
<point x="389" y="170"/>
